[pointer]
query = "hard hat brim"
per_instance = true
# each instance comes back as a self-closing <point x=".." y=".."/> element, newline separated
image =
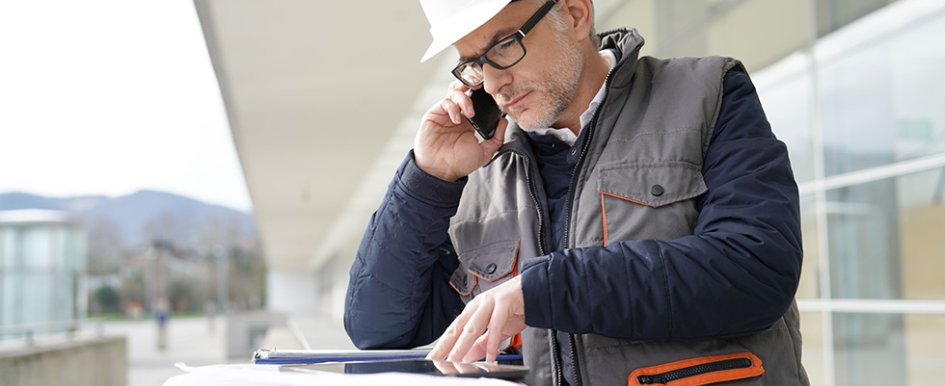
<point x="447" y="32"/>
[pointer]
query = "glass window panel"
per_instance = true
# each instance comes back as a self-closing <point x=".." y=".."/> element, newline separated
<point x="64" y="300"/>
<point x="917" y="58"/>
<point x="35" y="244"/>
<point x="6" y="247"/>
<point x="886" y="238"/>
<point x="877" y="106"/>
<point x="813" y="350"/>
<point x="809" y="283"/>
<point x="925" y="349"/>
<point x="56" y="252"/>
<point x="889" y="349"/>
<point x="784" y="89"/>
<point x="834" y="14"/>
<point x="35" y="300"/>
<point x="869" y="349"/>
<point x="78" y="249"/>
<point x="854" y="108"/>
<point x="8" y="280"/>
<point x="922" y="234"/>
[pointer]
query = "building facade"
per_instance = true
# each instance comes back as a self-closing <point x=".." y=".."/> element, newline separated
<point x="42" y="272"/>
<point x="855" y="90"/>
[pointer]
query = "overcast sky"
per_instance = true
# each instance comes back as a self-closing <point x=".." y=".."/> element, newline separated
<point x="109" y="97"/>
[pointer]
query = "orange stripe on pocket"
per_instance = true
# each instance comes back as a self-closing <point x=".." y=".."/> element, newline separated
<point x="515" y="262"/>
<point x="603" y="216"/>
<point x="514" y="270"/>
<point x="625" y="198"/>
<point x="699" y="371"/>
<point x="469" y="288"/>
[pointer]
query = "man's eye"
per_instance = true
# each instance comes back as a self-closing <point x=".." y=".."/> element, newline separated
<point x="505" y="45"/>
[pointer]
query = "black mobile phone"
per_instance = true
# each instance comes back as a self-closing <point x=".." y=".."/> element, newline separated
<point x="487" y="113"/>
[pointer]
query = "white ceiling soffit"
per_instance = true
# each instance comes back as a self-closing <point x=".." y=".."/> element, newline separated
<point x="348" y="228"/>
<point x="313" y="91"/>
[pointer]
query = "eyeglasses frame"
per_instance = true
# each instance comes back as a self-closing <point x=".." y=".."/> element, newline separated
<point x="517" y="36"/>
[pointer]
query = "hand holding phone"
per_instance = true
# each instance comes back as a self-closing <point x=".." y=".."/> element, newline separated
<point x="447" y="146"/>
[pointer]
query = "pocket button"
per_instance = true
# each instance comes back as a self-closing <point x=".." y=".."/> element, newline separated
<point x="656" y="190"/>
<point x="490" y="269"/>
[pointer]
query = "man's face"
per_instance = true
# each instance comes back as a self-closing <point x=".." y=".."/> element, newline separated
<point x="542" y="85"/>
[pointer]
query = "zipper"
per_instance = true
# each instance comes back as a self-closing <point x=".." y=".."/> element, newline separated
<point x="556" y="357"/>
<point x="574" y="367"/>
<point x="532" y="191"/>
<point x="691" y="371"/>
<point x="570" y="205"/>
<point x="580" y="160"/>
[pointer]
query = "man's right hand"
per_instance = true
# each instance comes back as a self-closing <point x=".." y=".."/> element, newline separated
<point x="446" y="146"/>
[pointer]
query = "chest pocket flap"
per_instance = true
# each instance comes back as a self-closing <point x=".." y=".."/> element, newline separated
<point x="484" y="268"/>
<point x="492" y="262"/>
<point x="652" y="185"/>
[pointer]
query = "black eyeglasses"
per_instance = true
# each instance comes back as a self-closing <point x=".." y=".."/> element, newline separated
<point x="506" y="53"/>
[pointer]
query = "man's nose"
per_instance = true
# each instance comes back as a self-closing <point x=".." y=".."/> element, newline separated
<point x="495" y="79"/>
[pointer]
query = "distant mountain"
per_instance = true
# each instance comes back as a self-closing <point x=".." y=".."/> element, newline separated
<point x="133" y="220"/>
<point x="9" y="201"/>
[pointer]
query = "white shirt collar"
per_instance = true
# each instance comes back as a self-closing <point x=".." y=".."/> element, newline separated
<point x="565" y="134"/>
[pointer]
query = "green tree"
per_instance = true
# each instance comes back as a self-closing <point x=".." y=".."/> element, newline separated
<point x="108" y="298"/>
<point x="183" y="296"/>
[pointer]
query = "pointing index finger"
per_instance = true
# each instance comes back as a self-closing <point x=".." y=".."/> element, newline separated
<point x="474" y="328"/>
<point x="446" y="342"/>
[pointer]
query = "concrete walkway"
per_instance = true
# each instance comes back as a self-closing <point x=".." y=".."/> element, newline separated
<point x="192" y="341"/>
<point x="189" y="340"/>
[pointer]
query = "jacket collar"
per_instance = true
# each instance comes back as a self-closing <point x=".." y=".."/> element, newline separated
<point x="629" y="42"/>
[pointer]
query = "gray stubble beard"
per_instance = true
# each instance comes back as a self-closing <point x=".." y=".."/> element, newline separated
<point x="561" y="93"/>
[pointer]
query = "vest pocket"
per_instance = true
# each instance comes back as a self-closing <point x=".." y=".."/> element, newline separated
<point x="652" y="185"/>
<point x="700" y="371"/>
<point x="484" y="268"/>
<point x="649" y="201"/>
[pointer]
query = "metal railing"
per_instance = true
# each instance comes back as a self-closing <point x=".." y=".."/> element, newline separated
<point x="29" y="332"/>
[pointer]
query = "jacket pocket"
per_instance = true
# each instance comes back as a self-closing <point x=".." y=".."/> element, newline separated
<point x="652" y="185"/>
<point x="483" y="268"/>
<point x="649" y="201"/>
<point x="705" y="370"/>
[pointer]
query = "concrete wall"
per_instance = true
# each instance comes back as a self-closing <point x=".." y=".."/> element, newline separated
<point x="291" y="291"/>
<point x="82" y="362"/>
<point x="246" y="332"/>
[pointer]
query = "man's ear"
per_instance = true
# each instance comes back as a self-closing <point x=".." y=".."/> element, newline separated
<point x="580" y="14"/>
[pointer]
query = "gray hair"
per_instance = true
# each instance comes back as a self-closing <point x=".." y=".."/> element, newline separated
<point x="560" y="24"/>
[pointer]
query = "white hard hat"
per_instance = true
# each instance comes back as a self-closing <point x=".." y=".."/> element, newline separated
<point x="451" y="20"/>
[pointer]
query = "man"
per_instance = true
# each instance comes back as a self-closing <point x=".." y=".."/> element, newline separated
<point x="637" y="221"/>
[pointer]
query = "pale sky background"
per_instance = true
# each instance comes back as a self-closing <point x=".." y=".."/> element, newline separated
<point x="109" y="97"/>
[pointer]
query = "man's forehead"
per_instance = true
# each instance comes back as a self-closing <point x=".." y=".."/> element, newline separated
<point x="481" y="48"/>
<point x="503" y="24"/>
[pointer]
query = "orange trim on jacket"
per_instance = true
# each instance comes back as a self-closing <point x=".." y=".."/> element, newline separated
<point x="603" y="216"/>
<point x="756" y="369"/>
<point x="625" y="198"/>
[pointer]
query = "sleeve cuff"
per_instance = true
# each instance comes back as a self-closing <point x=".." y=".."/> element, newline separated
<point x="428" y="188"/>
<point x="536" y="291"/>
